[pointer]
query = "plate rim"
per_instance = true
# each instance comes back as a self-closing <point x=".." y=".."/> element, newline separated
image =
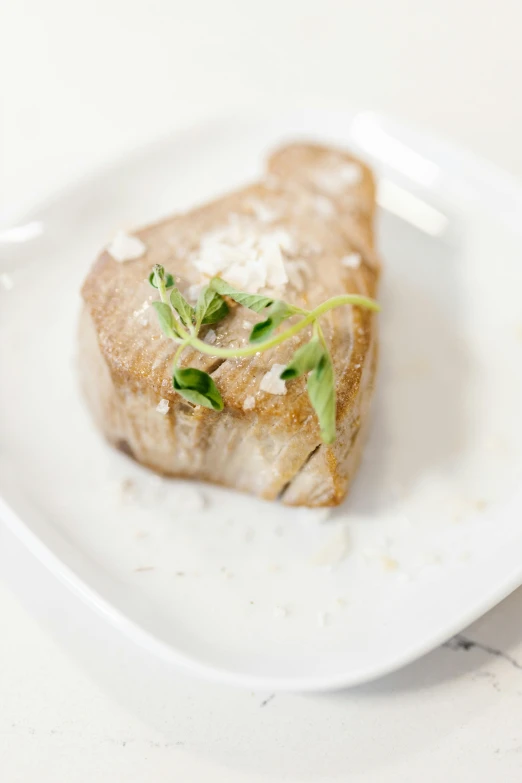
<point x="14" y="524"/>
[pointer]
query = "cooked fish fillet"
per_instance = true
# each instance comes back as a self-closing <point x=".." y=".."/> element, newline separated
<point x="315" y="205"/>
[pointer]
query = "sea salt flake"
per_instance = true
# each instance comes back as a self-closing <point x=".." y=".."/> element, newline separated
<point x="275" y="267"/>
<point x="163" y="406"/>
<point x="250" y="276"/>
<point x="246" y="256"/>
<point x="271" y="382"/>
<point x="284" y="239"/>
<point x="297" y="272"/>
<point x="125" y="247"/>
<point x="210" y="337"/>
<point x="250" y="257"/>
<point x="249" y="403"/>
<point x="263" y="212"/>
<point x="139" y="312"/>
<point x="351" y="261"/>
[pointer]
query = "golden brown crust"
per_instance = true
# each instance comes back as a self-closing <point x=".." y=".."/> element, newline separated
<point x="131" y="360"/>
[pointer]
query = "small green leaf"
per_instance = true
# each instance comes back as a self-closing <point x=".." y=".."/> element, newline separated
<point x="159" y="270"/>
<point x="197" y="387"/>
<point x="252" y="301"/>
<point x="211" y="307"/>
<point x="278" y="312"/>
<point x="182" y="307"/>
<point x="158" y="275"/>
<point x="305" y="359"/>
<point x="321" y="390"/>
<point x="166" y="319"/>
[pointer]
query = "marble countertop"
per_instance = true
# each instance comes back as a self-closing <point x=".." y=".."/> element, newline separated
<point x="80" y="703"/>
<point x="84" y="82"/>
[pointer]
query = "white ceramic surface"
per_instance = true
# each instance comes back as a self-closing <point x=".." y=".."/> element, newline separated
<point x="432" y="525"/>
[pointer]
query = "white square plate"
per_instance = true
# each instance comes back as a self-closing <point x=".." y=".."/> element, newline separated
<point x="252" y="593"/>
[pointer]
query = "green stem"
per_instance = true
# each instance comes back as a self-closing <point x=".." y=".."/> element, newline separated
<point x="162" y="288"/>
<point x="178" y="354"/>
<point x="251" y="350"/>
<point x="321" y="336"/>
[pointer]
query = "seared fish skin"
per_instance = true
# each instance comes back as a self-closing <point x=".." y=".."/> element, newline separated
<point x="309" y="225"/>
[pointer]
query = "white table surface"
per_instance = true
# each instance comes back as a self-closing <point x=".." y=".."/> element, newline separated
<point x="81" y="82"/>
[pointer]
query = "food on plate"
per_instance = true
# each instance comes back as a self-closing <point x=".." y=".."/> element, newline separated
<point x="237" y="343"/>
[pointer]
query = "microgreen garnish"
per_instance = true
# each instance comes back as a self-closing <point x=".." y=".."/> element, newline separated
<point x="169" y="280"/>
<point x="252" y="301"/>
<point x="277" y="312"/>
<point x="182" y="323"/>
<point x="304" y="360"/>
<point x="182" y="307"/>
<point x="211" y="307"/>
<point x="166" y="320"/>
<point x="197" y="387"/>
<point x="321" y="390"/>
